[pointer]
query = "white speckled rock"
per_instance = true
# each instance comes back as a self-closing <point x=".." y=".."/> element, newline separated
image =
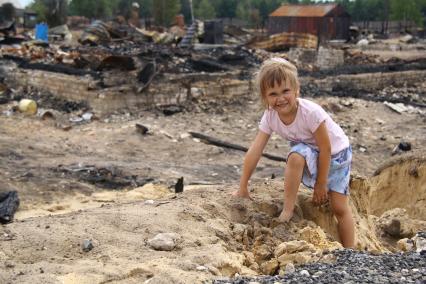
<point x="164" y="241"/>
<point x="289" y="268"/>
<point x="420" y="243"/>
<point x="405" y="244"/>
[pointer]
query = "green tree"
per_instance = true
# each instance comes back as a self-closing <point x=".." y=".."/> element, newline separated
<point x="403" y="10"/>
<point x="164" y="11"/>
<point x="93" y="9"/>
<point x="266" y="7"/>
<point x="8" y="12"/>
<point x="41" y="10"/>
<point x="204" y="10"/>
<point x="255" y="18"/>
<point x="123" y="7"/>
<point x="186" y="10"/>
<point x="146" y="7"/>
<point x="256" y="12"/>
<point x="53" y="12"/>
<point x="226" y="8"/>
<point x="242" y="11"/>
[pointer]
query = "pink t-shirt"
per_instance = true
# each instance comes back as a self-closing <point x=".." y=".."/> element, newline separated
<point x="309" y="116"/>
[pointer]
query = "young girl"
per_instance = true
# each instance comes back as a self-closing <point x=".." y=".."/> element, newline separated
<point x="320" y="154"/>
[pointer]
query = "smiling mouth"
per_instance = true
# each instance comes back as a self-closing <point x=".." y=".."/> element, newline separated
<point x="282" y="105"/>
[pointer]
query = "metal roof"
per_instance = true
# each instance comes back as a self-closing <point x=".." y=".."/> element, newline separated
<point x="303" y="10"/>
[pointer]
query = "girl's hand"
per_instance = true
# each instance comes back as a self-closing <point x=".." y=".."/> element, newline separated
<point x="285" y="216"/>
<point x="242" y="194"/>
<point x="320" y="194"/>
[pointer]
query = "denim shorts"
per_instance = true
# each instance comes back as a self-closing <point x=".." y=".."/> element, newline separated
<point x="340" y="167"/>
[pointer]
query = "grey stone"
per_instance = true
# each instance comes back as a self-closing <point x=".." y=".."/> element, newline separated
<point x="87" y="245"/>
<point x="420" y="243"/>
<point x="289" y="268"/>
<point x="164" y="241"/>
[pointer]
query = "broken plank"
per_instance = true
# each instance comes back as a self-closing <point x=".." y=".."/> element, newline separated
<point x="220" y="143"/>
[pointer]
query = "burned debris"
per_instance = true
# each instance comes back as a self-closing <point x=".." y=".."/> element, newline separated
<point x="220" y="143"/>
<point x="45" y="99"/>
<point x="142" y="129"/>
<point x="129" y="66"/>
<point x="9" y="203"/>
<point x="109" y="177"/>
<point x="114" y="59"/>
<point x="179" y="185"/>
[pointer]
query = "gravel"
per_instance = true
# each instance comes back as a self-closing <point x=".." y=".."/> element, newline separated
<point x="352" y="267"/>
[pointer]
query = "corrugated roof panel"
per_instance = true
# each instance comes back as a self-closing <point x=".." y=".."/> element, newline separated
<point x="303" y="10"/>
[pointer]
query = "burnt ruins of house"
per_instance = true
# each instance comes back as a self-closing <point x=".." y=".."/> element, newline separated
<point x="124" y="68"/>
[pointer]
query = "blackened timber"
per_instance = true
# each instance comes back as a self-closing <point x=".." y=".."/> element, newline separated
<point x="9" y="203"/>
<point x="217" y="142"/>
<point x="117" y="62"/>
<point x="56" y="68"/>
<point x="179" y="185"/>
<point x="208" y="65"/>
<point x="405" y="65"/>
<point x="367" y="95"/>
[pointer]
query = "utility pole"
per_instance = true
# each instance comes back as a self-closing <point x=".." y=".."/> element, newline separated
<point x="191" y="32"/>
<point x="192" y="12"/>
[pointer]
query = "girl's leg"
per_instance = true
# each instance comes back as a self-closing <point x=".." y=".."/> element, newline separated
<point x="292" y="178"/>
<point x="343" y="213"/>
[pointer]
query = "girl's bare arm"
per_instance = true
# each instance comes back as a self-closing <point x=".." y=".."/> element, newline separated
<point x="251" y="159"/>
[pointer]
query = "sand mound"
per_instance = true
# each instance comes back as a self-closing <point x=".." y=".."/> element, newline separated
<point x="400" y="183"/>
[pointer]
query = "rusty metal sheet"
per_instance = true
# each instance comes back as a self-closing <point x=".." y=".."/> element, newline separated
<point x="296" y="25"/>
<point x="286" y="40"/>
<point x="303" y="10"/>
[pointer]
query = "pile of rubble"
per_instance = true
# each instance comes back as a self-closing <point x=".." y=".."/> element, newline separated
<point x="138" y="63"/>
<point x="357" y="57"/>
<point x="350" y="267"/>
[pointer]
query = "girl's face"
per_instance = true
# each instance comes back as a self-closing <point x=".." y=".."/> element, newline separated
<point x="282" y="98"/>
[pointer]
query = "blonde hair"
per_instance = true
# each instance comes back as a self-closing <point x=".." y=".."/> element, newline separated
<point x="275" y="71"/>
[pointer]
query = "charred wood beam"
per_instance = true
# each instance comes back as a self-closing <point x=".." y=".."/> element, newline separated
<point x="367" y="95"/>
<point x="224" y="144"/>
<point x="12" y="40"/>
<point x="117" y="62"/>
<point x="196" y="77"/>
<point x="56" y="68"/>
<point x="60" y="69"/>
<point x="418" y="64"/>
<point x="146" y="75"/>
<point x="208" y="65"/>
<point x="9" y="203"/>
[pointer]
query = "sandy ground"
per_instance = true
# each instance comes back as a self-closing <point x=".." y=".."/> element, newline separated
<point x="216" y="235"/>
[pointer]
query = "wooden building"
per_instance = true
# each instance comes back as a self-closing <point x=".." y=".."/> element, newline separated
<point x="326" y="21"/>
